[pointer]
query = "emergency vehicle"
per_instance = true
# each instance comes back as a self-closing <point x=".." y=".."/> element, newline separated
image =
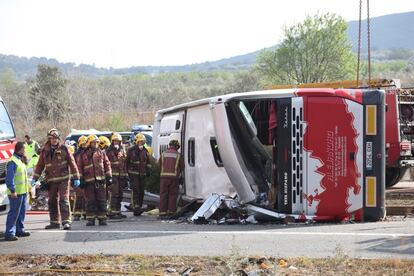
<point x="314" y="153"/>
<point x="7" y="143"/>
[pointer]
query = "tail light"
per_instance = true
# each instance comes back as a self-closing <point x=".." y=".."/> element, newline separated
<point x="405" y="147"/>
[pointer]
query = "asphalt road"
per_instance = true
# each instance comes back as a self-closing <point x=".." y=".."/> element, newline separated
<point x="149" y="236"/>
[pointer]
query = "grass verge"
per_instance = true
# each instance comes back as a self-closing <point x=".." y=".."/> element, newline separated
<point x="232" y="265"/>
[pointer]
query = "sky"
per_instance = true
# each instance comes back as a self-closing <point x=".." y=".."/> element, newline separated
<point x="124" y="33"/>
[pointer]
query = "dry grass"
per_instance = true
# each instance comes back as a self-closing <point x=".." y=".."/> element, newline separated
<point x="157" y="265"/>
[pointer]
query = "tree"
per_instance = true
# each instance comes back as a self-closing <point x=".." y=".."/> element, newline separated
<point x="316" y="50"/>
<point x="48" y="92"/>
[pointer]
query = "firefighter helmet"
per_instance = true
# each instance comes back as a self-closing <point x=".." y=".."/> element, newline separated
<point x="82" y="140"/>
<point x="116" y="137"/>
<point x="175" y="144"/>
<point x="92" y="138"/>
<point x="53" y="133"/>
<point x="104" y="142"/>
<point x="140" y="138"/>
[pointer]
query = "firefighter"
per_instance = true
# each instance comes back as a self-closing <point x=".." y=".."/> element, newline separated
<point x="171" y="165"/>
<point x="138" y="167"/>
<point x="59" y="166"/>
<point x="95" y="170"/>
<point x="117" y="156"/>
<point x="104" y="143"/>
<point x="79" y="208"/>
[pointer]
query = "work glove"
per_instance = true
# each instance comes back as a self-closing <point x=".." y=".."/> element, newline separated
<point x="108" y="180"/>
<point x="76" y="183"/>
<point x="33" y="183"/>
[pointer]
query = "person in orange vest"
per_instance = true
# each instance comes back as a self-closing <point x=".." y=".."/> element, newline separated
<point x="171" y="164"/>
<point x="138" y="167"/>
<point x="60" y="167"/>
<point x="96" y="173"/>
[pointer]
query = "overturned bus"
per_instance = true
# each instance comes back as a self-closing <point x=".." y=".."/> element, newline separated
<point x="309" y="153"/>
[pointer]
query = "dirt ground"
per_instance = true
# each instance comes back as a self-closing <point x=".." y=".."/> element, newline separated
<point x="233" y="265"/>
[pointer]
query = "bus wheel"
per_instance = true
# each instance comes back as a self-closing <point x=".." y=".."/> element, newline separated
<point x="394" y="175"/>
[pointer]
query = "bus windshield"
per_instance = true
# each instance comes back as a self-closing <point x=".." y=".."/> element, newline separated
<point x="6" y="126"/>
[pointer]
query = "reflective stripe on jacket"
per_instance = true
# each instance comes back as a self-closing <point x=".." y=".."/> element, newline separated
<point x="59" y="164"/>
<point x="94" y="165"/>
<point x="138" y="161"/>
<point x="20" y="177"/>
<point x="117" y="157"/>
<point x="171" y="163"/>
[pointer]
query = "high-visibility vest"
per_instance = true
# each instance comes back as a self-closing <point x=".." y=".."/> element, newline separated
<point x="33" y="162"/>
<point x="149" y="149"/>
<point x="30" y="149"/>
<point x="20" y="177"/>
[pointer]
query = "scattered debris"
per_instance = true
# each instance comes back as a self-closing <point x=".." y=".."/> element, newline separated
<point x="170" y="270"/>
<point x="187" y="271"/>
<point x="208" y="208"/>
<point x="282" y="263"/>
<point x="40" y="202"/>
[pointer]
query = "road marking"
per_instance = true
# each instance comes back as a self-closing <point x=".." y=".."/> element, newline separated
<point x="280" y="233"/>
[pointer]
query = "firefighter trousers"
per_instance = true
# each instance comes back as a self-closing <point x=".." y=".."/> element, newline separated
<point x="117" y="191"/>
<point x="96" y="204"/>
<point x="169" y="188"/>
<point x="59" y="206"/>
<point x="79" y="209"/>
<point x="138" y="191"/>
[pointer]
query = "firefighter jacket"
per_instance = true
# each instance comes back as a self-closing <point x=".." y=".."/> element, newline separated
<point x="138" y="161"/>
<point x="94" y="166"/>
<point x="117" y="157"/>
<point x="58" y="164"/>
<point x="171" y="164"/>
<point x="78" y="155"/>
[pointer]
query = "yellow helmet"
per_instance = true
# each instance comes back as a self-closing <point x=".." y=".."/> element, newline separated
<point x="140" y="138"/>
<point x="116" y="137"/>
<point x="83" y="140"/>
<point x="71" y="149"/>
<point x="92" y="138"/>
<point x="104" y="142"/>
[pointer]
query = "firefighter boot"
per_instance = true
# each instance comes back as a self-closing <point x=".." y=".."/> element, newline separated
<point x="138" y="211"/>
<point x="66" y="226"/>
<point x="103" y="222"/>
<point x="52" y="225"/>
<point x="91" y="222"/>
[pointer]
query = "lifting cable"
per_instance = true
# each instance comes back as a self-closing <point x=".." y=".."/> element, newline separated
<point x="368" y="43"/>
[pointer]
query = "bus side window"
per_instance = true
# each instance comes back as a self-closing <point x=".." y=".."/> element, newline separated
<point x="216" y="153"/>
<point x="191" y="152"/>
<point x="163" y="148"/>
